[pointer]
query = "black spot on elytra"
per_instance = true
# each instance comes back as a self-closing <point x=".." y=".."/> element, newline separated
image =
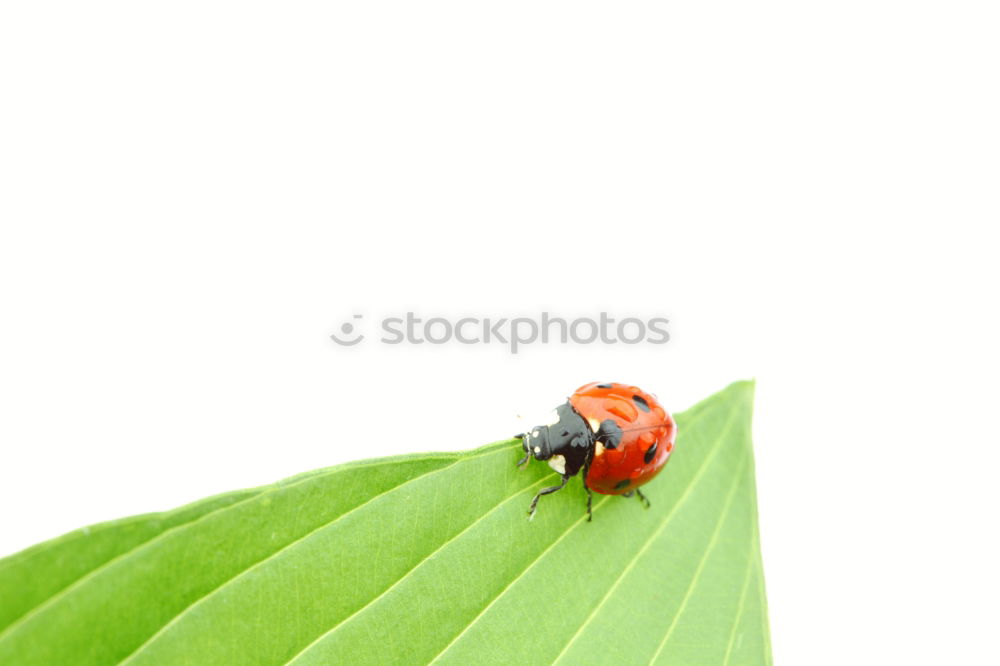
<point x="605" y="386"/>
<point x="641" y="402"/>
<point x="623" y="484"/>
<point x="650" y="453"/>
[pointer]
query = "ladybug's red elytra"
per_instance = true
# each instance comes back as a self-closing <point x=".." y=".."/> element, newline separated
<point x="619" y="435"/>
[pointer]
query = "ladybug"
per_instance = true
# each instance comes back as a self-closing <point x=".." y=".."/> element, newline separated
<point x="619" y="435"/>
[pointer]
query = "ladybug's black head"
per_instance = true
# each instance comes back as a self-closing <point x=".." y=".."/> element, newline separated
<point x="536" y="443"/>
<point x="564" y="442"/>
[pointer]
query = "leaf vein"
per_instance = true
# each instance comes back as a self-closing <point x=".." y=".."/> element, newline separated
<point x="703" y="560"/>
<point x="173" y="621"/>
<point x="93" y="573"/>
<point x="652" y="537"/>
<point x="412" y="569"/>
<point x="573" y="526"/>
<point x="552" y="545"/>
<point x="504" y="591"/>
<point x="742" y="604"/>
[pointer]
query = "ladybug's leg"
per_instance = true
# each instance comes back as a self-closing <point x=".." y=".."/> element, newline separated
<point x="590" y="495"/>
<point x="642" y="498"/>
<point x="544" y="491"/>
<point x="527" y="456"/>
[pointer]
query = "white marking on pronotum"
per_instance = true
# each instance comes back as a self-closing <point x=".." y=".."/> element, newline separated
<point x="598" y="449"/>
<point x="534" y="433"/>
<point x="595" y="425"/>
<point x="538" y="450"/>
<point x="558" y="463"/>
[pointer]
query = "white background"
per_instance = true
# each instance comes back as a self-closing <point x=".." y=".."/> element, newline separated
<point x="195" y="195"/>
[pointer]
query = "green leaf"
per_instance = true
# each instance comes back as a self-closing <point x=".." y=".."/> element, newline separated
<point x="35" y="575"/>
<point x="418" y="559"/>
